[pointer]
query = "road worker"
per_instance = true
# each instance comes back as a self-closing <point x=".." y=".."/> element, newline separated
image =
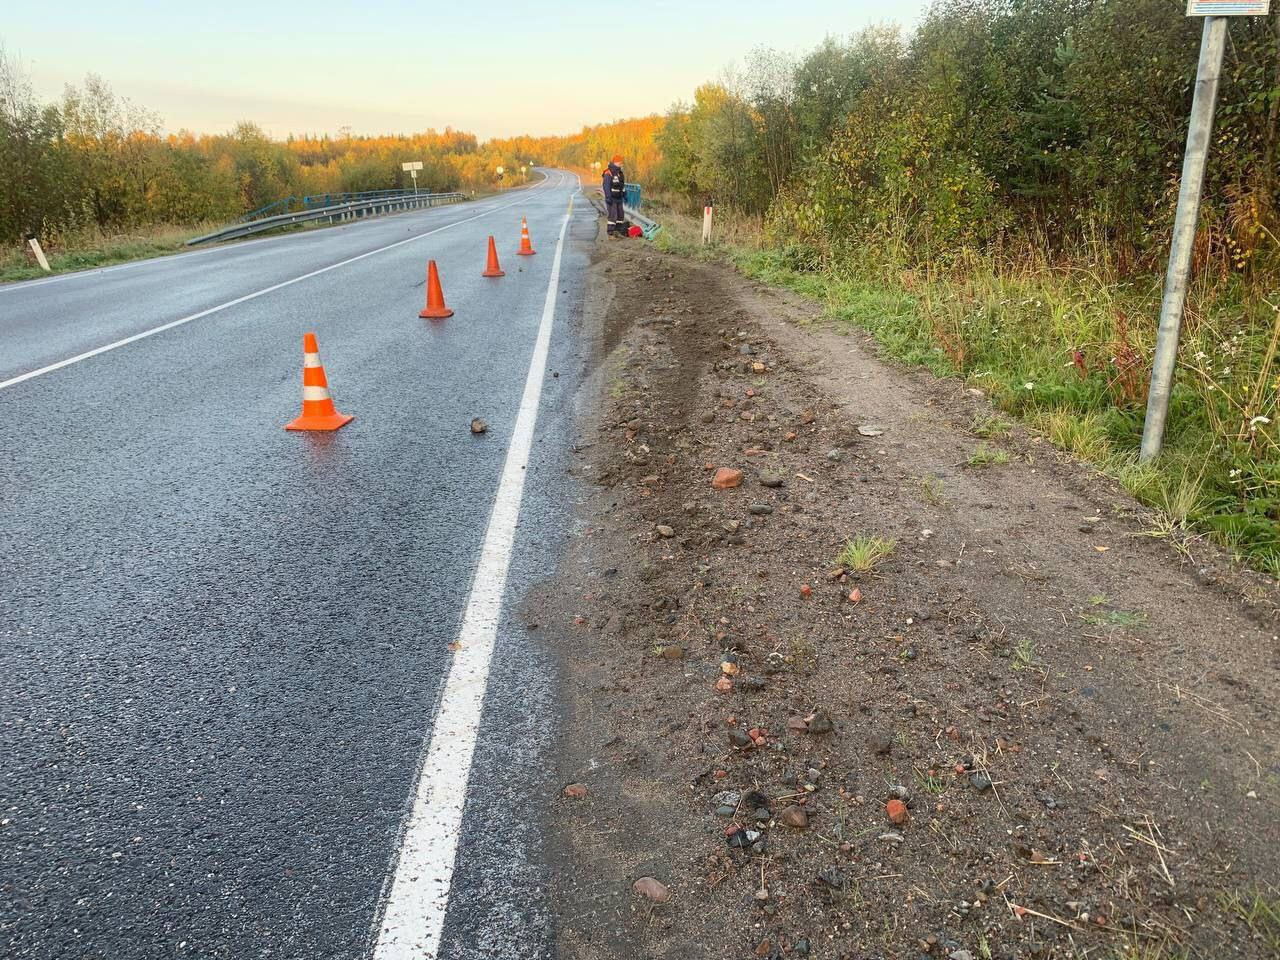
<point x="614" y="187"/>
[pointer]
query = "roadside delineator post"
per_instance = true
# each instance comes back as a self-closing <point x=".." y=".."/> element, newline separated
<point x="318" y="411"/>
<point x="435" y="308"/>
<point x="492" y="269"/>
<point x="526" y="248"/>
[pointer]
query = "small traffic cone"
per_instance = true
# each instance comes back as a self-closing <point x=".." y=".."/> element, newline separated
<point x="435" y="308"/>
<point x="526" y="248"/>
<point x="318" y="412"/>
<point x="492" y="269"/>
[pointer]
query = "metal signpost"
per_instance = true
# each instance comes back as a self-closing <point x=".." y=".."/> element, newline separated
<point x="1212" y="45"/>
<point x="413" y="166"/>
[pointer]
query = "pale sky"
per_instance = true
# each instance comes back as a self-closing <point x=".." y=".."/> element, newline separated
<point x="385" y="66"/>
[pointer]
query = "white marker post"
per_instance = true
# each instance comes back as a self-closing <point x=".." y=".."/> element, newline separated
<point x="413" y="166"/>
<point x="40" y="258"/>
<point x="1199" y="131"/>
<point x="706" y="223"/>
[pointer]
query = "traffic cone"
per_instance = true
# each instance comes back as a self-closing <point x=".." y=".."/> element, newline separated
<point x="492" y="269"/>
<point x="526" y="248"/>
<point x="435" y="308"/>
<point x="318" y="412"/>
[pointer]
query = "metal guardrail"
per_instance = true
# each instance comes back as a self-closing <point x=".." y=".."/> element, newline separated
<point x="311" y="201"/>
<point x="650" y="227"/>
<point x="352" y="210"/>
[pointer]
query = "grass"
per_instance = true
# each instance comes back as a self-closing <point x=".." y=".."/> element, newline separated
<point x="989" y="427"/>
<point x="1024" y="655"/>
<point x="1066" y="351"/>
<point x="863" y="553"/>
<point x="931" y="488"/>
<point x="929" y="781"/>
<point x="1116" y="618"/>
<point x="87" y="250"/>
<point x="1260" y="912"/>
<point x="985" y="456"/>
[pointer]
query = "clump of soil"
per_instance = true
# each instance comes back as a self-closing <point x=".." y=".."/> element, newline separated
<point x="878" y="696"/>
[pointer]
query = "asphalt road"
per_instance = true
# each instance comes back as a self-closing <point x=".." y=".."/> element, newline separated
<point x="222" y="645"/>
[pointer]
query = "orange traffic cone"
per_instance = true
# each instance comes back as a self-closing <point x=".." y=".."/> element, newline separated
<point x="318" y="412"/>
<point x="526" y="248"/>
<point x="435" y="308"/>
<point x="492" y="269"/>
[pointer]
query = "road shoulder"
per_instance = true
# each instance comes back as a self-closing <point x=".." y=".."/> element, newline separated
<point x="1031" y="728"/>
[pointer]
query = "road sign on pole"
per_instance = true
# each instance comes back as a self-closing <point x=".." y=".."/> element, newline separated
<point x="413" y="166"/>
<point x="1199" y="131"/>
<point x="1228" y="8"/>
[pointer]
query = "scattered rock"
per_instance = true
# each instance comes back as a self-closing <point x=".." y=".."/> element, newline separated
<point x="726" y="478"/>
<point x="739" y="739"/>
<point x="576" y="791"/>
<point x="980" y="782"/>
<point x="479" y="426"/>
<point x="897" y="812"/>
<point x="672" y="651"/>
<point x="794" y="817"/>
<point x="652" y="889"/>
<point x="769" y="478"/>
<point x="870" y="430"/>
<point x="665" y="531"/>
<point x="819" y="723"/>
<point x="760" y="509"/>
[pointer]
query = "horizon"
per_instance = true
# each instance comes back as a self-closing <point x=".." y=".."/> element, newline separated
<point x="370" y="81"/>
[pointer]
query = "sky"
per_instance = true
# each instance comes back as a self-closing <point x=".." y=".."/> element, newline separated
<point x="494" y="68"/>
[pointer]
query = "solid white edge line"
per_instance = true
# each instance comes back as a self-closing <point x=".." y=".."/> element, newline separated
<point x="115" y="345"/>
<point x="413" y="918"/>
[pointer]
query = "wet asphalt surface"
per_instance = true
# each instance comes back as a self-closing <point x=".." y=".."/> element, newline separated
<point x="221" y="644"/>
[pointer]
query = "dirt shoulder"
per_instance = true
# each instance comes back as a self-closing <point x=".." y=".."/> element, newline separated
<point x="1033" y="729"/>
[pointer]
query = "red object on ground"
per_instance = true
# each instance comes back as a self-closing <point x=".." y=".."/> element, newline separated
<point x="635" y="231"/>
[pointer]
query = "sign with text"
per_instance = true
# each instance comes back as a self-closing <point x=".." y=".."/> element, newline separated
<point x="412" y="165"/>
<point x="1228" y="8"/>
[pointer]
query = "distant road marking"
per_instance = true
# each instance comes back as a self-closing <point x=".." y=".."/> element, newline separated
<point x="419" y="894"/>
<point x="32" y="374"/>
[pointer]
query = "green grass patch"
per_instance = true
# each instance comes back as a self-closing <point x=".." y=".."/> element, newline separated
<point x="863" y="553"/>
<point x="985" y="456"/>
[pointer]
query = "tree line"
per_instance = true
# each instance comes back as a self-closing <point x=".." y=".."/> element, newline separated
<point x="997" y="125"/>
<point x="95" y="163"/>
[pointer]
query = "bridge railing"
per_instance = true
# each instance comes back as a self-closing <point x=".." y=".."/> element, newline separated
<point x="392" y="201"/>
<point x="314" y="200"/>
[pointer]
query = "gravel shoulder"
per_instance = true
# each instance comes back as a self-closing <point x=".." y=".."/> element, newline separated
<point x="1034" y="728"/>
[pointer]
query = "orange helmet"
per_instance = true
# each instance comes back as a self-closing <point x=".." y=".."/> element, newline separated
<point x="617" y="158"/>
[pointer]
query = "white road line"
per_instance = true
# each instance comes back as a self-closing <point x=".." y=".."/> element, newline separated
<point x="32" y="374"/>
<point x="415" y="909"/>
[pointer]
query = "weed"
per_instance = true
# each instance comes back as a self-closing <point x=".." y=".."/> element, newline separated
<point x="985" y="456"/>
<point x="1116" y="618"/>
<point x="1024" y="655"/>
<point x="931" y="489"/>
<point x="1260" y="910"/>
<point x="930" y="781"/>
<point x="863" y="553"/>
<point x="990" y="428"/>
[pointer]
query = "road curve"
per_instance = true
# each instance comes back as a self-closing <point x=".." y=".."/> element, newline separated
<point x="223" y="645"/>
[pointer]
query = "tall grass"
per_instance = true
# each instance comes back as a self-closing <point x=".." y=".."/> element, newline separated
<point x="87" y="248"/>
